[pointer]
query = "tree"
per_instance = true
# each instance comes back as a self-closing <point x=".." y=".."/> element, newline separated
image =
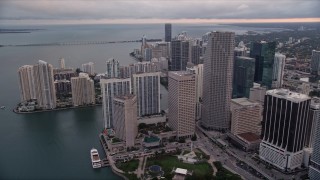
<point x="194" y="137"/>
<point x="142" y="126"/>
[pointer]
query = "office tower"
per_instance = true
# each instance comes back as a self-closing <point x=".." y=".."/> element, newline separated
<point x="217" y="81"/>
<point x="315" y="62"/>
<point x="179" y="55"/>
<point x="125" y="118"/>
<point x="26" y="83"/>
<point x="146" y="86"/>
<point x="263" y="52"/>
<point x="83" y="92"/>
<point x="285" y="128"/>
<point x="243" y="76"/>
<point x="147" y="54"/>
<point x="161" y="49"/>
<point x="168" y="31"/>
<point x="257" y="93"/>
<point x="182" y="102"/>
<point x="195" y="53"/>
<point x="62" y="63"/>
<point x="314" y="168"/>
<point x="109" y="89"/>
<point x="278" y="70"/>
<point x="113" y="70"/>
<point x="44" y="85"/>
<point x="245" y="116"/>
<point x="198" y="71"/>
<point x="63" y="88"/>
<point x="88" y="68"/>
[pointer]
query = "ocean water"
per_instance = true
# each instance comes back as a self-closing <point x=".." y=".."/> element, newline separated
<point x="56" y="145"/>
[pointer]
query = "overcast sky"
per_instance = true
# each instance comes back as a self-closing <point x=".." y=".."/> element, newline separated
<point x="148" y="10"/>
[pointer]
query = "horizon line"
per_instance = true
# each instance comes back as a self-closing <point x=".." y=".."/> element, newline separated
<point x="158" y="21"/>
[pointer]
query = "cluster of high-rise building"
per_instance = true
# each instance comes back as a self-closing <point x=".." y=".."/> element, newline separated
<point x="43" y="84"/>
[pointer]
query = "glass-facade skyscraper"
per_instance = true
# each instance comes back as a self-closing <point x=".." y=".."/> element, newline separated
<point x="168" y="31"/>
<point x="263" y="52"/>
<point x="243" y="76"/>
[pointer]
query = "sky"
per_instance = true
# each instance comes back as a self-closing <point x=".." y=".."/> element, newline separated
<point x="158" y="11"/>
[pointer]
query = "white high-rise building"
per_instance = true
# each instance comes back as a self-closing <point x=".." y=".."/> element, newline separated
<point x="109" y="89"/>
<point x="125" y="118"/>
<point x="286" y="128"/>
<point x="198" y="71"/>
<point x="182" y="102"/>
<point x="315" y="62"/>
<point x="314" y="168"/>
<point x="113" y="68"/>
<point x="82" y="89"/>
<point x="278" y="70"/>
<point x="257" y="93"/>
<point x="62" y="63"/>
<point x="88" y="68"/>
<point x="44" y="85"/>
<point x="26" y="83"/>
<point x="146" y="86"/>
<point x="217" y="80"/>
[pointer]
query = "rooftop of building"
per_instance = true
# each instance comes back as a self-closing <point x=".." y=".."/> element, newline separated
<point x="244" y="102"/>
<point x="151" y="139"/>
<point x="245" y="58"/>
<point x="315" y="103"/>
<point x="181" y="171"/>
<point x="287" y="94"/>
<point x="181" y="73"/>
<point x="249" y="136"/>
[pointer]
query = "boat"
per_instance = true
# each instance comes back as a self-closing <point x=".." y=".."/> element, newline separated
<point x="95" y="159"/>
<point x="2" y="107"/>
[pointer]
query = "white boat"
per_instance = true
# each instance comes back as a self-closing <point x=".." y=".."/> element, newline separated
<point x="2" y="107"/>
<point x="95" y="159"/>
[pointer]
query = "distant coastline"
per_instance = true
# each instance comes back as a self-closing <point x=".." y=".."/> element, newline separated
<point x="56" y="109"/>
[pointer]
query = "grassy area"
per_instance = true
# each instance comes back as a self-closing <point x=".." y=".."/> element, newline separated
<point x="131" y="176"/>
<point x="128" y="166"/>
<point x="200" y="171"/>
<point x="223" y="173"/>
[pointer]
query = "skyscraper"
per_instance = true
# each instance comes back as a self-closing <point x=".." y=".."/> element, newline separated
<point x="109" y="89"/>
<point x="26" y="83"/>
<point x="285" y="128"/>
<point x="167" y="30"/>
<point x="243" y="76"/>
<point x="62" y="63"/>
<point x="82" y="88"/>
<point x="217" y="81"/>
<point x="314" y="168"/>
<point x="263" y="52"/>
<point x="44" y="85"/>
<point x="179" y="55"/>
<point x="257" y="93"/>
<point x="88" y="68"/>
<point x="146" y="86"/>
<point x="125" y="118"/>
<point x="113" y="68"/>
<point x="182" y="102"/>
<point x="278" y="70"/>
<point x="315" y="62"/>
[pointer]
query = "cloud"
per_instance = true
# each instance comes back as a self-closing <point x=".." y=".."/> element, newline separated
<point x="156" y="9"/>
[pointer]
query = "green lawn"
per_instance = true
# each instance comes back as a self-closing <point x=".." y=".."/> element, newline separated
<point x="128" y="166"/>
<point x="200" y="171"/>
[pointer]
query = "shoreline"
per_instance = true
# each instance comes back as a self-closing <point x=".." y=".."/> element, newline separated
<point x="57" y="109"/>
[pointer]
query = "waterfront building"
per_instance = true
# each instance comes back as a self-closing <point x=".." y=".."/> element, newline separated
<point x="314" y="168"/>
<point x="26" y="83"/>
<point x="182" y="102"/>
<point x="146" y="86"/>
<point x="315" y="62"/>
<point x="285" y="128"/>
<point x="217" y="78"/>
<point x="44" y="85"/>
<point x="243" y="76"/>
<point x="62" y="63"/>
<point x="82" y="88"/>
<point x="66" y="74"/>
<point x="147" y="54"/>
<point x="113" y="68"/>
<point x="88" y="68"/>
<point x="59" y="70"/>
<point x="198" y="71"/>
<point x="179" y="54"/>
<point x="125" y="118"/>
<point x="278" y="70"/>
<point x="257" y="93"/>
<point x="62" y="87"/>
<point x="167" y="32"/>
<point x="109" y="89"/>
<point x="245" y="116"/>
<point x="264" y="53"/>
